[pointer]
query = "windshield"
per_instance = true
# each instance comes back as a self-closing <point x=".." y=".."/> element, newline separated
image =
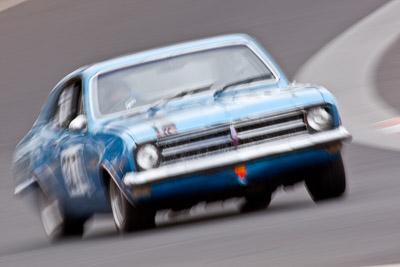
<point x="143" y="84"/>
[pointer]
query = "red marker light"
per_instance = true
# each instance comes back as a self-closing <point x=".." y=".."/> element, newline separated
<point x="241" y="172"/>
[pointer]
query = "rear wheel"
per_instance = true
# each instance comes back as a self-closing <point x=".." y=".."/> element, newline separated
<point x="55" y="223"/>
<point x="327" y="181"/>
<point x="128" y="218"/>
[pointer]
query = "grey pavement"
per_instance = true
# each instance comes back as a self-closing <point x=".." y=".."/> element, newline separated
<point x="388" y="77"/>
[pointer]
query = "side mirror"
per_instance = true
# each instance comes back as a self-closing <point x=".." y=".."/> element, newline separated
<point x="79" y="123"/>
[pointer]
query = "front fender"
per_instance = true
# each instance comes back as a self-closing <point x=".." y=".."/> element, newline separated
<point x="116" y="177"/>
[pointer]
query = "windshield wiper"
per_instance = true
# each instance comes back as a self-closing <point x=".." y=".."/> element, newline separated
<point x="181" y="94"/>
<point x="244" y="81"/>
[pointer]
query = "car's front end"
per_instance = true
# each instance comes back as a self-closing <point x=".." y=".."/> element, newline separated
<point x="228" y="159"/>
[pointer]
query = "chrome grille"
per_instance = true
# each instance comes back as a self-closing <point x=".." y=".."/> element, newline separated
<point x="231" y="136"/>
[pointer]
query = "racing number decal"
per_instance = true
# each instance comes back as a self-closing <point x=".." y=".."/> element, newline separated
<point x="74" y="173"/>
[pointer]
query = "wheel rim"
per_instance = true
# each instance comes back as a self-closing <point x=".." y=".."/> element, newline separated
<point x="117" y="205"/>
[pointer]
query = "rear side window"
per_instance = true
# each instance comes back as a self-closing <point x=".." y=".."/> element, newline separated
<point x="68" y="105"/>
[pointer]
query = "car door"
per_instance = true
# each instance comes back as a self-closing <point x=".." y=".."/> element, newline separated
<point x="67" y="149"/>
<point x="76" y="152"/>
<point x="71" y="144"/>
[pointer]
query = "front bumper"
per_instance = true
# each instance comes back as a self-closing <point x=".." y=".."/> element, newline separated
<point x="239" y="156"/>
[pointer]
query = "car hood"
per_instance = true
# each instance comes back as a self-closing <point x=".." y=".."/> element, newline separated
<point x="196" y="113"/>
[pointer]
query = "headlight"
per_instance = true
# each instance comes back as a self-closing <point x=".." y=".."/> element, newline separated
<point x="319" y="119"/>
<point x="147" y="157"/>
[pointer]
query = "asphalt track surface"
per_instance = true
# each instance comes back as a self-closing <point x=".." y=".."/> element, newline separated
<point x="388" y="78"/>
<point x="41" y="41"/>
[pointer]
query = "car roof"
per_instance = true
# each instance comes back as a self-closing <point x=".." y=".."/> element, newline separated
<point x="165" y="51"/>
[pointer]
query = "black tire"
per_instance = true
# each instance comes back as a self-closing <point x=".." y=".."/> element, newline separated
<point x="327" y="181"/>
<point x="254" y="202"/>
<point x="61" y="226"/>
<point x="128" y="218"/>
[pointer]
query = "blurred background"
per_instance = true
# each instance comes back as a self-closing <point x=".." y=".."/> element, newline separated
<point x="351" y="47"/>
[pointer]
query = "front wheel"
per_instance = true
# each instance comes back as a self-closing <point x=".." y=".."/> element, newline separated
<point x="327" y="181"/>
<point x="128" y="218"/>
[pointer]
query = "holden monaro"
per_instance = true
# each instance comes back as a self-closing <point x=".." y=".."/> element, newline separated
<point x="167" y="128"/>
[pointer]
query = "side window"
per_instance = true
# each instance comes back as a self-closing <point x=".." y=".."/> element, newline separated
<point x="69" y="105"/>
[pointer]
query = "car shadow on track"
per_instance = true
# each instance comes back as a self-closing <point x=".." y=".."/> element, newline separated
<point x="217" y="212"/>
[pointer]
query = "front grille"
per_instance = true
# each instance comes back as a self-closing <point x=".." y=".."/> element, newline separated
<point x="231" y="136"/>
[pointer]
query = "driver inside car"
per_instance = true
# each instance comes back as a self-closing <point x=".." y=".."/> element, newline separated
<point x="115" y="96"/>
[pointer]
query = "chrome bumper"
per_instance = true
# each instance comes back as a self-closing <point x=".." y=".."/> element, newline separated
<point x="238" y="156"/>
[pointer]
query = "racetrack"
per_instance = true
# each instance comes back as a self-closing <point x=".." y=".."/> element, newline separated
<point x="43" y="40"/>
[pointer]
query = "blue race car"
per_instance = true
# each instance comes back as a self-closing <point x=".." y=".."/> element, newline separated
<point x="170" y="127"/>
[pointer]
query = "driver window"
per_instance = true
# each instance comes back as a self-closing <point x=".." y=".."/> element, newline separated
<point x="69" y="105"/>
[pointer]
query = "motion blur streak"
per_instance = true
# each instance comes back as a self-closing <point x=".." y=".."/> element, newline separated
<point x="41" y="40"/>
